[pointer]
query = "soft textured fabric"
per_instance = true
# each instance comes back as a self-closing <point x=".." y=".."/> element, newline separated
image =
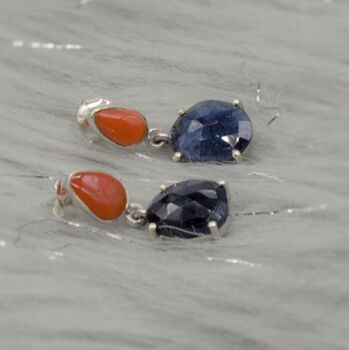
<point x="275" y="281"/>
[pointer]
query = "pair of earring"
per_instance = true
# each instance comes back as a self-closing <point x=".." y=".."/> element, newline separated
<point x="209" y="131"/>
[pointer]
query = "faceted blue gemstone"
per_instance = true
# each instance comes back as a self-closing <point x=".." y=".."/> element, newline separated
<point x="184" y="209"/>
<point x="210" y="131"/>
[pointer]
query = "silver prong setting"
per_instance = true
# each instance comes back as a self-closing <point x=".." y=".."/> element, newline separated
<point x="163" y="188"/>
<point x="213" y="227"/>
<point x="227" y="190"/>
<point x="237" y="155"/>
<point x="238" y="103"/>
<point x="177" y="157"/>
<point x="152" y="228"/>
<point x="181" y="111"/>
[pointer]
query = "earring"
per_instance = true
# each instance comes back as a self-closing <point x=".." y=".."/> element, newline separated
<point x="187" y="209"/>
<point x="210" y="131"/>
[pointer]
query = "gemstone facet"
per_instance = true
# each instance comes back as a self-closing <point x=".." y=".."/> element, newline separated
<point x="104" y="195"/>
<point x="185" y="209"/>
<point x="210" y="131"/>
<point x="122" y="126"/>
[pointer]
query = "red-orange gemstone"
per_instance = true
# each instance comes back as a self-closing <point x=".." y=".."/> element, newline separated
<point x="104" y="195"/>
<point x="124" y="127"/>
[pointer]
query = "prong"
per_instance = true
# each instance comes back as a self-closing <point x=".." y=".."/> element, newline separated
<point x="152" y="230"/>
<point x="225" y="185"/>
<point x="181" y="111"/>
<point x="163" y="188"/>
<point x="238" y="103"/>
<point x="212" y="225"/>
<point x="227" y="190"/>
<point x="177" y="157"/>
<point x="237" y="155"/>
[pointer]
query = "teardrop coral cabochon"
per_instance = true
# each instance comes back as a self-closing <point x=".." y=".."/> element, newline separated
<point x="122" y="126"/>
<point x="104" y="195"/>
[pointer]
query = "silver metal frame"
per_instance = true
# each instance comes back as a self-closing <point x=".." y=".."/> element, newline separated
<point x="177" y="156"/>
<point x="86" y="119"/>
<point x="238" y="103"/>
<point x="152" y="227"/>
<point x="237" y="155"/>
<point x="181" y="111"/>
<point x="163" y="188"/>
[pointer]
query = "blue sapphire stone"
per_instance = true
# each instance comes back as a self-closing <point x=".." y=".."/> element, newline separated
<point x="210" y="131"/>
<point x="184" y="209"/>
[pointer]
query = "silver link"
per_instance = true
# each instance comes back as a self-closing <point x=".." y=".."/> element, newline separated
<point x="135" y="215"/>
<point x="157" y="139"/>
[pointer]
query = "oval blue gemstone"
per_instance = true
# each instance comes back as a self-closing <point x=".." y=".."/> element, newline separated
<point x="210" y="131"/>
<point x="185" y="209"/>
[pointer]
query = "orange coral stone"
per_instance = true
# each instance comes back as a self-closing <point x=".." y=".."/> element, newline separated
<point x="124" y="127"/>
<point x="104" y="195"/>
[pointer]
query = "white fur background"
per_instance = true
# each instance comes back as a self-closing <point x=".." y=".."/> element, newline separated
<point x="275" y="281"/>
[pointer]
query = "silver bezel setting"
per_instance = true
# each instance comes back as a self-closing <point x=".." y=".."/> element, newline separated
<point x="87" y="122"/>
<point x="71" y="199"/>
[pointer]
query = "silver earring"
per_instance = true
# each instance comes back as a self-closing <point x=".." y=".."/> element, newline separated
<point x="186" y="210"/>
<point x="210" y="131"/>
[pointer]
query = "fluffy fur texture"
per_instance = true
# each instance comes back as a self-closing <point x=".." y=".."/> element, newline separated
<point x="275" y="281"/>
